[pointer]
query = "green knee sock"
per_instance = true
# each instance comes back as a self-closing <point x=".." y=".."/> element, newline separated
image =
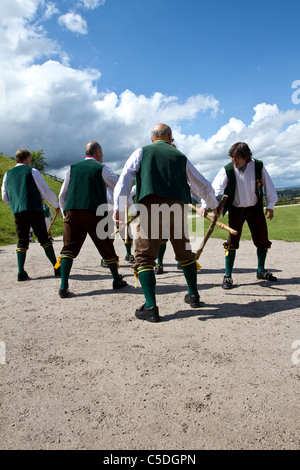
<point x="261" y="258"/>
<point x="161" y="252"/>
<point x="114" y="269"/>
<point x="229" y="261"/>
<point x="21" y="256"/>
<point x="147" y="280"/>
<point x="65" y="268"/>
<point x="128" y="248"/>
<point x="189" y="269"/>
<point x="49" y="251"/>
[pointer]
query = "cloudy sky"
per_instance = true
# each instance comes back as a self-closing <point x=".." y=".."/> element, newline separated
<point x="218" y="72"/>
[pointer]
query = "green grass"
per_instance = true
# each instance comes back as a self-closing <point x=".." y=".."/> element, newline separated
<point x="7" y="225"/>
<point x="285" y="225"/>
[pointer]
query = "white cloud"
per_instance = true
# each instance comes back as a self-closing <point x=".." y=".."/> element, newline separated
<point x="74" y="22"/>
<point x="51" y="106"/>
<point x="91" y="4"/>
<point x="50" y="11"/>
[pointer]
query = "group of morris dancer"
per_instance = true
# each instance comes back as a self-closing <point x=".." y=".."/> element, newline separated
<point x="163" y="176"/>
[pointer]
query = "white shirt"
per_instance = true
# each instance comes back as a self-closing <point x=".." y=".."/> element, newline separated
<point x="41" y="184"/>
<point x="109" y="177"/>
<point x="245" y="194"/>
<point x="199" y="185"/>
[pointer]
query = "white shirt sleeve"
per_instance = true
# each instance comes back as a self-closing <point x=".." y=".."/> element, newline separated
<point x="44" y="189"/>
<point x="4" y="193"/>
<point x="200" y="186"/>
<point x="109" y="177"/>
<point x="64" y="191"/>
<point x="219" y="184"/>
<point x="124" y="184"/>
<point x="270" y="191"/>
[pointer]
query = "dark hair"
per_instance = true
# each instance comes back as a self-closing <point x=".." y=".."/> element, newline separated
<point x="241" y="149"/>
<point x="22" y="155"/>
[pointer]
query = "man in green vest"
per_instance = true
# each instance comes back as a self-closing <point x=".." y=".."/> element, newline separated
<point x="243" y="181"/>
<point x="23" y="189"/>
<point x="81" y="196"/>
<point x="163" y="175"/>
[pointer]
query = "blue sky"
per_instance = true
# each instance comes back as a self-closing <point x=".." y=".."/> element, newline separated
<point x="218" y="72"/>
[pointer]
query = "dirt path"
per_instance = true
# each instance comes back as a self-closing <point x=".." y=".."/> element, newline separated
<point x="84" y="373"/>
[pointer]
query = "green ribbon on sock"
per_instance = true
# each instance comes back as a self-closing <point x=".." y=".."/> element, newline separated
<point x="128" y="248"/>
<point x="189" y="269"/>
<point x="147" y="280"/>
<point x="65" y="268"/>
<point x="229" y="261"/>
<point x="261" y="258"/>
<point x="21" y="256"/>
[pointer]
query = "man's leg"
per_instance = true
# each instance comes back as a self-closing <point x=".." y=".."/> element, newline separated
<point x="22" y="228"/>
<point x="74" y="236"/>
<point x="259" y="231"/>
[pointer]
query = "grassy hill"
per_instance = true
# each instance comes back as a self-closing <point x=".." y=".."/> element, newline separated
<point x="285" y="225"/>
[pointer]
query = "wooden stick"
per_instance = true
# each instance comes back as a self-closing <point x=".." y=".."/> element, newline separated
<point x="211" y="227"/>
<point x="218" y="223"/>
<point x="127" y="223"/>
<point x="52" y="222"/>
<point x="126" y="226"/>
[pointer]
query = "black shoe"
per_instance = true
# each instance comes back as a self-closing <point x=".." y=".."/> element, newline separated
<point x="63" y="293"/>
<point x="159" y="269"/>
<point x="193" y="300"/>
<point x="266" y="276"/>
<point x="148" y="314"/>
<point x="130" y="258"/>
<point x="119" y="283"/>
<point x="23" y="277"/>
<point x="227" y="282"/>
<point x="57" y="271"/>
<point x="103" y="264"/>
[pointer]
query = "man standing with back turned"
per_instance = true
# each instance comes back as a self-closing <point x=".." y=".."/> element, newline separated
<point x="23" y="189"/>
<point x="83" y="190"/>
<point x="162" y="175"/>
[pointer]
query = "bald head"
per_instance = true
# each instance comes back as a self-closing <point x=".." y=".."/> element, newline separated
<point x="94" y="149"/>
<point x="161" y="131"/>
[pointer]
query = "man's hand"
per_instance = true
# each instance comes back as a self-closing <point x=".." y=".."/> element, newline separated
<point x="202" y="211"/>
<point x="269" y="213"/>
<point x="118" y="218"/>
<point x="57" y="210"/>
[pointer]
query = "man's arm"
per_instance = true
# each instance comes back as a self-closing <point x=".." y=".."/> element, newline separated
<point x="123" y="187"/>
<point x="64" y="191"/>
<point x="271" y="194"/>
<point x="4" y="193"/>
<point x="44" y="189"/>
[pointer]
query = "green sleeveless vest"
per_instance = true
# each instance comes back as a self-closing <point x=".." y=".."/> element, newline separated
<point x="162" y="172"/>
<point x="87" y="189"/>
<point x="22" y="191"/>
<point x="231" y="185"/>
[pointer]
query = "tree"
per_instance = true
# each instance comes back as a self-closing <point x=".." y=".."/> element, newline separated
<point x="37" y="160"/>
